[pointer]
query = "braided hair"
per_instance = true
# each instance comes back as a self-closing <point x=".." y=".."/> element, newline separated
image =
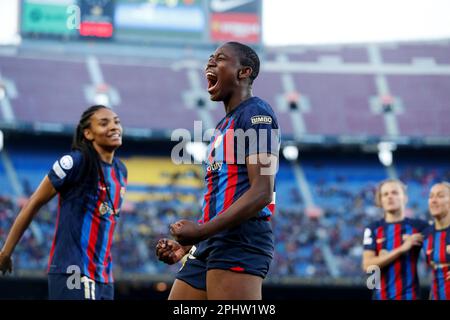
<point x="247" y="57"/>
<point x="91" y="163"/>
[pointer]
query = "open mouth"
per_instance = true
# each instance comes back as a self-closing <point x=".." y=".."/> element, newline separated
<point x="212" y="81"/>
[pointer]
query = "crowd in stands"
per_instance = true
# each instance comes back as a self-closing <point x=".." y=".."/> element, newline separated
<point x="298" y="236"/>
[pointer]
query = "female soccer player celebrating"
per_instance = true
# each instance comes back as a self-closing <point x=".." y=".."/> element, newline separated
<point x="233" y="241"/>
<point x="91" y="183"/>
<point x="392" y="245"/>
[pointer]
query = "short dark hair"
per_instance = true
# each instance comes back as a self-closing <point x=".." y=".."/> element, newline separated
<point x="247" y="57"/>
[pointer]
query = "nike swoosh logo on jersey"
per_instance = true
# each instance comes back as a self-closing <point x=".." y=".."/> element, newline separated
<point x="226" y="5"/>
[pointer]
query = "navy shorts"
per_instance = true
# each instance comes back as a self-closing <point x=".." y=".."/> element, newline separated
<point x="59" y="288"/>
<point x="247" y="248"/>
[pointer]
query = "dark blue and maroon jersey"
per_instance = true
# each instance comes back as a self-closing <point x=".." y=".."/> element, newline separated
<point x="437" y="250"/>
<point x="399" y="280"/>
<point x="86" y="220"/>
<point x="251" y="128"/>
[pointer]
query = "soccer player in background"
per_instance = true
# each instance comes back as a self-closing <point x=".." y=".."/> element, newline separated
<point x="90" y="182"/>
<point x="437" y="241"/>
<point x="231" y="248"/>
<point x="393" y="245"/>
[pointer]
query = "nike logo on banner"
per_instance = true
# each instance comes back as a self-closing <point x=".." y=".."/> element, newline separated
<point x="226" y="5"/>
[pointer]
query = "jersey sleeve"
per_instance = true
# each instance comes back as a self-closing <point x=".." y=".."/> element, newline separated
<point x="369" y="242"/>
<point x="65" y="171"/>
<point x="123" y="169"/>
<point x="261" y="131"/>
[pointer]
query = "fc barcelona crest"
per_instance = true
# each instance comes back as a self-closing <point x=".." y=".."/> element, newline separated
<point x="448" y="249"/>
<point x="104" y="208"/>
<point x="122" y="192"/>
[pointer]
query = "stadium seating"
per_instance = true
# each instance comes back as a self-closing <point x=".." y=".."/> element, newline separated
<point x="151" y="95"/>
<point x="160" y="193"/>
<point x="406" y="53"/>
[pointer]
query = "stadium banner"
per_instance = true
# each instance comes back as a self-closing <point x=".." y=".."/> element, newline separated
<point x="97" y="18"/>
<point x="46" y="17"/>
<point x="237" y="27"/>
<point x="235" y="20"/>
<point x="164" y="20"/>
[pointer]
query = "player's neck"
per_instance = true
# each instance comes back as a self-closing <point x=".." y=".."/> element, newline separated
<point x="442" y="222"/>
<point x="236" y="99"/>
<point x="392" y="217"/>
<point x="105" y="155"/>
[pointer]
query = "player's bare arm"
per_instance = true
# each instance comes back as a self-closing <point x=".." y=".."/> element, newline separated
<point x="384" y="259"/>
<point x="252" y="201"/>
<point x="41" y="196"/>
